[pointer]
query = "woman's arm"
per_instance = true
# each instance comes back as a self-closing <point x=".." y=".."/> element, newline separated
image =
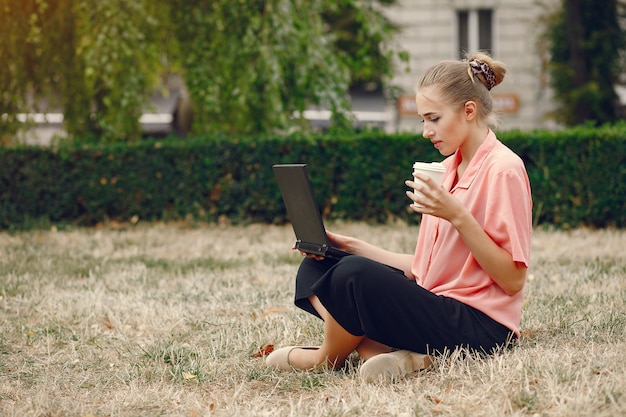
<point x="493" y="259"/>
<point x="359" y="247"/>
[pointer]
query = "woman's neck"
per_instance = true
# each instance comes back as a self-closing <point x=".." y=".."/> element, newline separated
<point x="476" y="138"/>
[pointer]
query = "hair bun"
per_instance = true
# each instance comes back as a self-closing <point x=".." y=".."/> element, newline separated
<point x="489" y="72"/>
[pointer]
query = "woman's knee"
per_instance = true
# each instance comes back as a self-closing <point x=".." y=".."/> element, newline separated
<point x="358" y="266"/>
<point x="354" y="265"/>
<point x="312" y="266"/>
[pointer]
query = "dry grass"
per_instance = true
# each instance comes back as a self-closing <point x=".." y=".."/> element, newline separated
<point x="164" y="320"/>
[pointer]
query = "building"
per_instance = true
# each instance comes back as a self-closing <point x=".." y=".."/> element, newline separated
<point x="435" y="30"/>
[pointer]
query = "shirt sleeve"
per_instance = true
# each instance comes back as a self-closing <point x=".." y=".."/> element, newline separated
<point x="509" y="211"/>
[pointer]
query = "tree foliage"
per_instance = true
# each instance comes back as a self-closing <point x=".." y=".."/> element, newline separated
<point x="586" y="42"/>
<point x="118" y="52"/>
<point x="251" y="65"/>
<point x="19" y="36"/>
<point x="248" y="65"/>
<point x="95" y="59"/>
<point x="359" y="33"/>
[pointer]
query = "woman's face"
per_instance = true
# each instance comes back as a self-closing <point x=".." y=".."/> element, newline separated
<point x="444" y="125"/>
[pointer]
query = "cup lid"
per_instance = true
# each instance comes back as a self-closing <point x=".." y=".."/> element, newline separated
<point x="431" y="166"/>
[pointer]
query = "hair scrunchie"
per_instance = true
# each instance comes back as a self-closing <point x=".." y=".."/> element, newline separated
<point x="480" y="67"/>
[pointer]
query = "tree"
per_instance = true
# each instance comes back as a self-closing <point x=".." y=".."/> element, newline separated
<point x="368" y="53"/>
<point x="586" y="42"/>
<point x="106" y="63"/>
<point x="20" y="45"/>
<point x="251" y="65"/>
<point x="96" y="59"/>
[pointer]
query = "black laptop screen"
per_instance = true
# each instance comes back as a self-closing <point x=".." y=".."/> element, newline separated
<point x="299" y="199"/>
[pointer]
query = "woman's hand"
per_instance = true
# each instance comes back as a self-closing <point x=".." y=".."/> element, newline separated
<point x="336" y="240"/>
<point x="309" y="255"/>
<point x="435" y="201"/>
<point x="359" y="247"/>
<point x="340" y="241"/>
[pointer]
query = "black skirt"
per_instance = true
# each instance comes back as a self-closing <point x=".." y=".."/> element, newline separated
<point x="370" y="299"/>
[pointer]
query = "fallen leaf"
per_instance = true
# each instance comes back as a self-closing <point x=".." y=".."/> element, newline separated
<point x="264" y="350"/>
<point x="273" y="310"/>
<point x="187" y="375"/>
<point x="106" y="321"/>
<point x="434" y="399"/>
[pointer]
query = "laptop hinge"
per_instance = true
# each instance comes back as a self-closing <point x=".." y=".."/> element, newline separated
<point x="310" y="247"/>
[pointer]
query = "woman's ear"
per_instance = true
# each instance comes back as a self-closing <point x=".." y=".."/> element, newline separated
<point x="471" y="111"/>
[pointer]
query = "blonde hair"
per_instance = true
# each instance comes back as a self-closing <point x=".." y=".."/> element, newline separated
<point x="456" y="82"/>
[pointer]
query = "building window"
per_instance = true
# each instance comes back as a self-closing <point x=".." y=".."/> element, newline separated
<point x="475" y="31"/>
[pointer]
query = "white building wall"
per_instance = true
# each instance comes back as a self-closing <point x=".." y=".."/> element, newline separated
<point x="428" y="33"/>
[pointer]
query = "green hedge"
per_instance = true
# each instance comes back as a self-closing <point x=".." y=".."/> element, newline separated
<point x="578" y="178"/>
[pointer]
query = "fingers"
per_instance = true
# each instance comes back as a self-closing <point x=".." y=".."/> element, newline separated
<point x="423" y="193"/>
<point x="418" y="202"/>
<point x="309" y="255"/>
<point x="418" y="191"/>
<point x="424" y="182"/>
<point x="335" y="239"/>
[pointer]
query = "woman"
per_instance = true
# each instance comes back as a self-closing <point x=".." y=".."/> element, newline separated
<point x="463" y="285"/>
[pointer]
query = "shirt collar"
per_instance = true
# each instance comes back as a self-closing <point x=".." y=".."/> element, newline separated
<point x="474" y="167"/>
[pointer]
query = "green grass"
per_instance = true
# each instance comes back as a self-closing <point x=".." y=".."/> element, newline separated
<point x="164" y="320"/>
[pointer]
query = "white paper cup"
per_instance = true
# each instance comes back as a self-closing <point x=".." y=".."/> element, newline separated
<point x="434" y="170"/>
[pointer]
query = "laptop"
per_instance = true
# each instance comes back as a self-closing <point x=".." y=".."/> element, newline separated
<point x="303" y="211"/>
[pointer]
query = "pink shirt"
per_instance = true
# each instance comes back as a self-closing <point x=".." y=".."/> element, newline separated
<point x="496" y="190"/>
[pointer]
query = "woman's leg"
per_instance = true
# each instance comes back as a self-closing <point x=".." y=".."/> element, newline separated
<point x="338" y="344"/>
<point x="376" y="303"/>
<point x="372" y="300"/>
<point x="369" y="348"/>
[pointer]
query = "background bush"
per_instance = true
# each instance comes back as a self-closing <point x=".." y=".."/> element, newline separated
<point x="247" y="66"/>
<point x="578" y="177"/>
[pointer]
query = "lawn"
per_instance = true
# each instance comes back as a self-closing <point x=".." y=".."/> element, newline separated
<point x="166" y="320"/>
